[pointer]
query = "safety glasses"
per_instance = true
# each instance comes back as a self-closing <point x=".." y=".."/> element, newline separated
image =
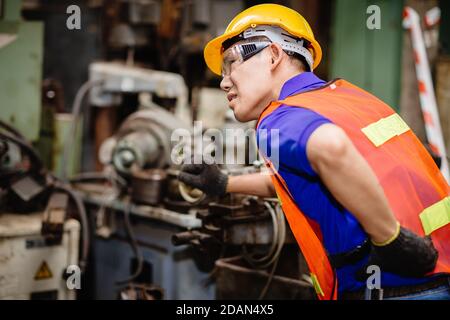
<point x="236" y="55"/>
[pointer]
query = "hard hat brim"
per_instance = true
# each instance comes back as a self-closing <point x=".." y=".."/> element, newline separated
<point x="213" y="52"/>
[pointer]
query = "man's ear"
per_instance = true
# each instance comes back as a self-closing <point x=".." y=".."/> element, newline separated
<point x="276" y="55"/>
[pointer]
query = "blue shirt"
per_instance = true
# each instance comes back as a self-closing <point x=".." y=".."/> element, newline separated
<point x="340" y="230"/>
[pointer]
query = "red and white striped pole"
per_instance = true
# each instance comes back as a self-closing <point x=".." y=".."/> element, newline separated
<point x="411" y="21"/>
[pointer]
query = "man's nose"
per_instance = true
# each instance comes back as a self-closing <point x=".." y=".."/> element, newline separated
<point x="225" y="84"/>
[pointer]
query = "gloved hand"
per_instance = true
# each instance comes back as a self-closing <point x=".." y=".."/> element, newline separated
<point x="206" y="177"/>
<point x="406" y="254"/>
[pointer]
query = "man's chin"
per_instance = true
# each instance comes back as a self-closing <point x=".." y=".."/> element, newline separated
<point x="243" y="114"/>
<point x="240" y="117"/>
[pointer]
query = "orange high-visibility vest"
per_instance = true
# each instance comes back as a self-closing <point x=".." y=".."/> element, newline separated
<point x="415" y="188"/>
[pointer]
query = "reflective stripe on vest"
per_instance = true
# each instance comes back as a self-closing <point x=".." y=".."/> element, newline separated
<point x="385" y="129"/>
<point x="436" y="216"/>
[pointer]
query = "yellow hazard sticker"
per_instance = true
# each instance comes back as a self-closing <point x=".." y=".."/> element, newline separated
<point x="43" y="272"/>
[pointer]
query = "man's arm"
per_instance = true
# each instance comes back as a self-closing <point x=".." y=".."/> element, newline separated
<point x="209" y="179"/>
<point x="256" y="184"/>
<point x="351" y="180"/>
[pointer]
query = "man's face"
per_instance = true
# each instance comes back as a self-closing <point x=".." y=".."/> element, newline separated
<point x="247" y="85"/>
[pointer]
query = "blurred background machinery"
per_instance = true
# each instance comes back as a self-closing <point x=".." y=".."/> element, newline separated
<point x="32" y="268"/>
<point x="87" y="170"/>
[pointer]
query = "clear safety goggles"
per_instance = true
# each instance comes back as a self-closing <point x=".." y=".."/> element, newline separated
<point x="237" y="54"/>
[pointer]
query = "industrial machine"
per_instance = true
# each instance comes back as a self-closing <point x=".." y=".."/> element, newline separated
<point x="133" y="230"/>
<point x="31" y="267"/>
<point x="39" y="214"/>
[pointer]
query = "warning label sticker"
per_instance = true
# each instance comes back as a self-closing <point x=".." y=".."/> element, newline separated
<point x="43" y="272"/>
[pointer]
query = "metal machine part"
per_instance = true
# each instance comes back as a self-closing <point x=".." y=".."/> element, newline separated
<point x="27" y="188"/>
<point x="120" y="78"/>
<point x="154" y="124"/>
<point x="54" y="217"/>
<point x="246" y="220"/>
<point x="192" y="195"/>
<point x="236" y="280"/>
<point x="148" y="186"/>
<point x="170" y="217"/>
<point x="21" y="59"/>
<point x="256" y="229"/>
<point x="141" y="292"/>
<point x="142" y="141"/>
<point x="201" y="12"/>
<point x="238" y="221"/>
<point x="145" y="12"/>
<point x="139" y="148"/>
<point x="26" y="193"/>
<point x="122" y="35"/>
<point x="173" y="268"/>
<point x="10" y="156"/>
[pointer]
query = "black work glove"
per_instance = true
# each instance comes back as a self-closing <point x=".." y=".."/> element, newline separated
<point x="206" y="177"/>
<point x="407" y="255"/>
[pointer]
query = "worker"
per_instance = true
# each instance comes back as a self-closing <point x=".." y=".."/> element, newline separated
<point x="357" y="187"/>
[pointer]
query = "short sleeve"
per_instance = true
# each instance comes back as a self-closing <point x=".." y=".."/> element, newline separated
<point x="290" y="128"/>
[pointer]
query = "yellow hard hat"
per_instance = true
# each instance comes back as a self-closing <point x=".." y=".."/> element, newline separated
<point x="262" y="14"/>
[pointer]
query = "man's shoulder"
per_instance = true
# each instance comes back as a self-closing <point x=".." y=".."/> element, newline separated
<point x="286" y="116"/>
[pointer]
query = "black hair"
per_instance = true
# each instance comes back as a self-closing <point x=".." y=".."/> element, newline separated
<point x="298" y="58"/>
